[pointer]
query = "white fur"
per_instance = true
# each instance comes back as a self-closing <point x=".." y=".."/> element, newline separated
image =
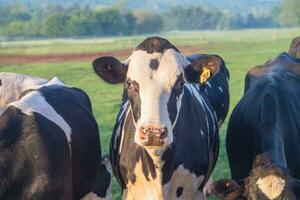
<point x="272" y="186"/>
<point x="155" y="86"/>
<point x="118" y="131"/>
<point x="188" y="181"/>
<point x="34" y="102"/>
<point x="14" y="84"/>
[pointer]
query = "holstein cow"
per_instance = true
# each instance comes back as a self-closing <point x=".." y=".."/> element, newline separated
<point x="263" y="138"/>
<point x="49" y="144"/>
<point x="165" y="141"/>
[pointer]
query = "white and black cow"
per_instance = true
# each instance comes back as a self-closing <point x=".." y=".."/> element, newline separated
<point x="49" y="144"/>
<point x="165" y="141"/>
<point x="263" y="138"/>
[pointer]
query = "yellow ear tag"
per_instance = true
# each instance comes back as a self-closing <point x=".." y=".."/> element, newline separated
<point x="205" y="75"/>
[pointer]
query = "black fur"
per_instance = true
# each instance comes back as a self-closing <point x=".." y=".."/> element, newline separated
<point x="265" y="120"/>
<point x="155" y="45"/>
<point x="32" y="148"/>
<point x="179" y="191"/>
<point x="154" y="64"/>
<point x="103" y="181"/>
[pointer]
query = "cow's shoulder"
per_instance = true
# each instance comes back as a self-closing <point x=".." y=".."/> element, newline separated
<point x="283" y="62"/>
<point x="281" y="67"/>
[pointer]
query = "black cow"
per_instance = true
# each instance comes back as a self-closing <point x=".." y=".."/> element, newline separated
<point x="263" y="138"/>
<point x="49" y="144"/>
<point x="165" y="141"/>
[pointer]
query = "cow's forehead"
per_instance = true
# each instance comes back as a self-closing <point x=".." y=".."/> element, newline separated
<point x="164" y="66"/>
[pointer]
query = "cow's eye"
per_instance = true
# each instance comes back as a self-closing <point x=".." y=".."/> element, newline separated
<point x="181" y="84"/>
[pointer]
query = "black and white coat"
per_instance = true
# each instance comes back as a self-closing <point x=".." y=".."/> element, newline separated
<point x="181" y="166"/>
<point x="49" y="144"/>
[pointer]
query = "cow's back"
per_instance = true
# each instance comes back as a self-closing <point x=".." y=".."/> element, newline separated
<point x="75" y="108"/>
<point x="62" y="115"/>
<point x="278" y="89"/>
<point x="34" y="158"/>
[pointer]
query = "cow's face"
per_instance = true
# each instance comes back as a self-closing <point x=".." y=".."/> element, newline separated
<point x="155" y="83"/>
<point x="266" y="181"/>
<point x="154" y="77"/>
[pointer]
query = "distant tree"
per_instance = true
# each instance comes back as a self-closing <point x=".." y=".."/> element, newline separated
<point x="237" y="21"/>
<point x="130" y="21"/>
<point x="172" y="18"/>
<point x="290" y="14"/>
<point x="109" y="22"/>
<point x="16" y="28"/>
<point x="147" y="22"/>
<point x="81" y="23"/>
<point x="251" y="21"/>
<point x="4" y="16"/>
<point x="56" y="25"/>
<point x="225" y="22"/>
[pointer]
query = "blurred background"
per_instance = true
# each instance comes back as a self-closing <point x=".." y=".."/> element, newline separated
<point x="98" y="18"/>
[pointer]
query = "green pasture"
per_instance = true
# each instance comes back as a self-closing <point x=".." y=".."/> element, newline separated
<point x="241" y="50"/>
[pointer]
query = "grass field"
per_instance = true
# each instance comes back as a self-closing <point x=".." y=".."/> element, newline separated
<point x="241" y="50"/>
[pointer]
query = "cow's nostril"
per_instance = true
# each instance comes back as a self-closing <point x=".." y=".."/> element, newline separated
<point x="152" y="135"/>
<point x="144" y="133"/>
<point x="163" y="133"/>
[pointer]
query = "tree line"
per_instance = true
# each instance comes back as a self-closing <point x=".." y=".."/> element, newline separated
<point x="55" y="21"/>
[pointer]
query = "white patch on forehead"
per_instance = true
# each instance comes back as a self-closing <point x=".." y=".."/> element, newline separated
<point x="272" y="186"/>
<point x="171" y="64"/>
<point x="139" y="61"/>
<point x="34" y="102"/>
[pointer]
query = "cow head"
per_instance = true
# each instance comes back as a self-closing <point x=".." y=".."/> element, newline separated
<point x="266" y="181"/>
<point x="154" y="77"/>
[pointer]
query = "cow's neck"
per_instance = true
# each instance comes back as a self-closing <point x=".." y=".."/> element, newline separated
<point x="152" y="181"/>
<point x="272" y="140"/>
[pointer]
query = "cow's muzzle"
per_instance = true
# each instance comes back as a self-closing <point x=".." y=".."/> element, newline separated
<point x="152" y="135"/>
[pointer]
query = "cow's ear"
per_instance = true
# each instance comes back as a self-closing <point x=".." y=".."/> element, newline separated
<point x="227" y="189"/>
<point x="202" y="68"/>
<point x="110" y="69"/>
